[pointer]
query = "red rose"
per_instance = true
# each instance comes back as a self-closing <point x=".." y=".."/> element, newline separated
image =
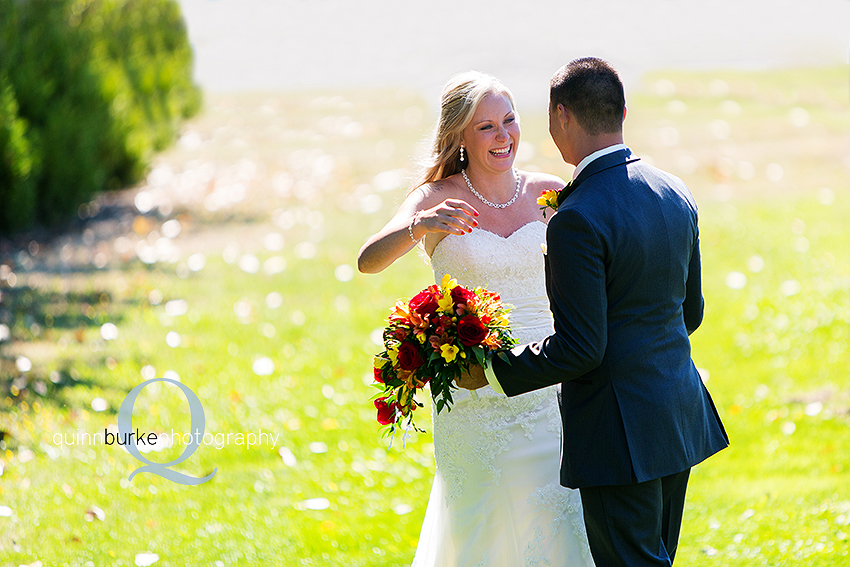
<point x="386" y="412"/>
<point x="409" y="356"/>
<point x="461" y="295"/>
<point x="471" y="331"/>
<point x="379" y="375"/>
<point x="424" y="303"/>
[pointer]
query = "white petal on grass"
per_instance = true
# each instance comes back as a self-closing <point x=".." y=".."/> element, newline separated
<point x="171" y="375"/>
<point x="274" y="265"/>
<point x="95" y="513"/>
<point x="316" y="504"/>
<point x="5" y="512"/>
<point x="370" y="203"/>
<point x="720" y="129"/>
<point x="144" y="202"/>
<point x="173" y="339"/>
<point x="342" y="303"/>
<point x="755" y="264"/>
<point x="109" y="331"/>
<point x="746" y="170"/>
<point x="664" y="87"/>
<point x="5" y="333"/>
<point x="171" y="228"/>
<point x="196" y="262"/>
<point x="298" y="318"/>
<point x="388" y="180"/>
<point x="306" y="250"/>
<point x="790" y="287"/>
<point x="774" y="172"/>
<point x="230" y="254"/>
<point x="274" y="300"/>
<point x="273" y="242"/>
<point x="249" y="264"/>
<point x="377" y="336"/>
<point x="328" y="391"/>
<point x="788" y="428"/>
<point x="288" y="458"/>
<point x="148" y="372"/>
<point x="826" y="196"/>
<point x="344" y="273"/>
<point x="155" y="297"/>
<point x="718" y="87"/>
<point x="23" y="364"/>
<point x="318" y="447"/>
<point x="402" y="509"/>
<point x="146" y="559"/>
<point x="798" y="117"/>
<point x="176" y="307"/>
<point x="243" y="309"/>
<point x="99" y="404"/>
<point x="263" y="366"/>
<point x="736" y="280"/>
<point x="814" y="408"/>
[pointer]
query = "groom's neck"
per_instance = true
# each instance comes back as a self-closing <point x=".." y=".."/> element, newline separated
<point x="589" y="144"/>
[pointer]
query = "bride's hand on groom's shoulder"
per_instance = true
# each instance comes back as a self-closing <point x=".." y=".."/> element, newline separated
<point x="473" y="379"/>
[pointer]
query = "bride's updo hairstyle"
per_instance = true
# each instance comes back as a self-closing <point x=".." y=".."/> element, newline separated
<point x="458" y="103"/>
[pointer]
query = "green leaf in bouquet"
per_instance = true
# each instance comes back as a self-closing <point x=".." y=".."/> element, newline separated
<point x="479" y="355"/>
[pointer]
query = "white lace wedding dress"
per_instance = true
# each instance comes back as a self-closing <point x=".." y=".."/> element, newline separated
<point x="496" y="500"/>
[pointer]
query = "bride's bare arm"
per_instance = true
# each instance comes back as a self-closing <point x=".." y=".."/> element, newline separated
<point x="416" y="217"/>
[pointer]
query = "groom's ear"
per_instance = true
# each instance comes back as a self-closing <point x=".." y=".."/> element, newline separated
<point x="563" y="115"/>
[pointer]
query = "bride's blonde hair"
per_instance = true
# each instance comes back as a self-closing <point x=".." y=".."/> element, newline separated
<point x="460" y="98"/>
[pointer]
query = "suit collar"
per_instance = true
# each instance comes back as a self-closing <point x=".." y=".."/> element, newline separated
<point x="607" y="161"/>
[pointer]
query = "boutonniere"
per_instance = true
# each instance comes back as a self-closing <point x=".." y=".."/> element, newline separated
<point x="551" y="199"/>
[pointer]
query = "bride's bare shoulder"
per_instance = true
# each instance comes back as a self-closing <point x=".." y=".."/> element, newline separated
<point x="440" y="190"/>
<point x="543" y="181"/>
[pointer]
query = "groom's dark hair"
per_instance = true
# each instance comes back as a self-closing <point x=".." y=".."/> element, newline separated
<point x="592" y="90"/>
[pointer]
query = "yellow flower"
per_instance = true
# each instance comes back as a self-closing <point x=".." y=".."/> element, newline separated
<point x="379" y="362"/>
<point x="547" y="197"/>
<point x="449" y="352"/>
<point x="446" y="302"/>
<point x="393" y="354"/>
<point x="449" y="283"/>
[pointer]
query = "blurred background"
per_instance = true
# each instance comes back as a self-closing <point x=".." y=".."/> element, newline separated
<point x="184" y="189"/>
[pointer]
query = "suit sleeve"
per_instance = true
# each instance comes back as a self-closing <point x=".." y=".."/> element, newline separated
<point x="577" y="294"/>
<point x="694" y="305"/>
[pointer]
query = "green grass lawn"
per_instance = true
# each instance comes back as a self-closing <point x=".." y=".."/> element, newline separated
<point x="255" y="305"/>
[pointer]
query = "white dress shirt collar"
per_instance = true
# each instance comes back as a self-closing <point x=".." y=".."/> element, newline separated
<point x="597" y="154"/>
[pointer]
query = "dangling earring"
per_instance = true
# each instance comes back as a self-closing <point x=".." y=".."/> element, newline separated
<point x="461" y="153"/>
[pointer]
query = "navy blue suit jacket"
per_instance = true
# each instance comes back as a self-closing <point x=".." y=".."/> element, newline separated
<point x="623" y="279"/>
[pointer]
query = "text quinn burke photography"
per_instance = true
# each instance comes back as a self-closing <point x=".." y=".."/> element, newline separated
<point x="159" y="441"/>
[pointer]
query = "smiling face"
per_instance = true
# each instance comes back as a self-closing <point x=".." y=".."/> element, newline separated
<point x="492" y="137"/>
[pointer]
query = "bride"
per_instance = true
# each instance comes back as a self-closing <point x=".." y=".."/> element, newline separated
<point x="496" y="498"/>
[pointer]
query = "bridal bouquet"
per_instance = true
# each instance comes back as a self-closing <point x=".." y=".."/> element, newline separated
<point x="432" y="339"/>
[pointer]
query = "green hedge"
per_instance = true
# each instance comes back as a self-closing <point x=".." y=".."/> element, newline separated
<point x="89" y="89"/>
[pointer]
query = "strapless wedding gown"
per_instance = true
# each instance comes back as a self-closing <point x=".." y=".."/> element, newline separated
<point x="496" y="500"/>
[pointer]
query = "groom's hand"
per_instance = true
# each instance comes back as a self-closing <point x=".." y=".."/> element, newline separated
<point x="473" y="379"/>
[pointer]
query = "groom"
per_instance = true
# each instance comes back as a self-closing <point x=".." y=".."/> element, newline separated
<point x="623" y="279"/>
